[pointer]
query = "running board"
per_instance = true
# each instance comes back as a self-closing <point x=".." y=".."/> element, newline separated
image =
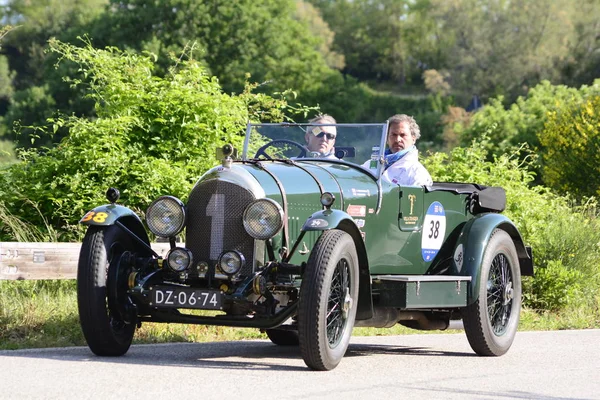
<point x="420" y="291"/>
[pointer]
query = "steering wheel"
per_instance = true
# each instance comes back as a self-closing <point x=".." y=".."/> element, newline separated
<point x="261" y="150"/>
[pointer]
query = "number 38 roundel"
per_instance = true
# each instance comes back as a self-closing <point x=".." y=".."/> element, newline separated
<point x="434" y="230"/>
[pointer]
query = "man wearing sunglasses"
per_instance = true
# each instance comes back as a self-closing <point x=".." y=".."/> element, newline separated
<point x="320" y="140"/>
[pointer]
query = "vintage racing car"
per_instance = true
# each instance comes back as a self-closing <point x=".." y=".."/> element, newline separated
<point x="305" y="248"/>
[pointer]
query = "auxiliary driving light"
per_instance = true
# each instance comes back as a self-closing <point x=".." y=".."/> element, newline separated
<point x="166" y="216"/>
<point x="327" y="199"/>
<point x="230" y="262"/>
<point x="179" y="259"/>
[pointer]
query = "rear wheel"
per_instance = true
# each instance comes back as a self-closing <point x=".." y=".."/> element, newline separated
<point x="491" y="321"/>
<point x="328" y="300"/>
<point x="106" y="332"/>
<point x="283" y="337"/>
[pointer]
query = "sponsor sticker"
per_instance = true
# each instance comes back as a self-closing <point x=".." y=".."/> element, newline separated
<point x="458" y="257"/>
<point x="360" y="222"/>
<point x="434" y="230"/>
<point x="356" y="210"/>
<point x="318" y="223"/>
<point x="360" y="192"/>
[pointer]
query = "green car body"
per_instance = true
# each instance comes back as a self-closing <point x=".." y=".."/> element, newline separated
<point x="419" y="256"/>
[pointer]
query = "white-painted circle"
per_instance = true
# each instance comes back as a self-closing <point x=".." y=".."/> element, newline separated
<point x="434" y="231"/>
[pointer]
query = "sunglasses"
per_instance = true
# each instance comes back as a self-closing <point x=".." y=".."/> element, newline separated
<point x="329" y="136"/>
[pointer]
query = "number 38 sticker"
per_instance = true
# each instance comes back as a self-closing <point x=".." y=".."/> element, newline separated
<point x="434" y="230"/>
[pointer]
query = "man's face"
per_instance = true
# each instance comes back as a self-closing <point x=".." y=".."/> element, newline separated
<point x="320" y="138"/>
<point x="399" y="137"/>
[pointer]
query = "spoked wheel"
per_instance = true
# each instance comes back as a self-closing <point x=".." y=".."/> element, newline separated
<point x="491" y="321"/>
<point x="283" y="337"/>
<point x="328" y="300"/>
<point x="108" y="333"/>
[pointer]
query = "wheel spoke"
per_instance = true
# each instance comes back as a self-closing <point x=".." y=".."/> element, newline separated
<point x="499" y="294"/>
<point x="335" y="316"/>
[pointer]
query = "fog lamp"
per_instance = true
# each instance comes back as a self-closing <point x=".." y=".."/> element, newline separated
<point x="179" y="259"/>
<point x="230" y="262"/>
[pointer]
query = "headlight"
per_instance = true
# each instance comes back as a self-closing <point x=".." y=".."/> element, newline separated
<point x="179" y="259"/>
<point x="166" y="216"/>
<point x="263" y="219"/>
<point x="230" y="262"/>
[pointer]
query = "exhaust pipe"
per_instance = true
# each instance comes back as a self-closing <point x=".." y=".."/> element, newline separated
<point x="386" y="317"/>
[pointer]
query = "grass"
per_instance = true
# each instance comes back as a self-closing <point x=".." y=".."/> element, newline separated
<point x="37" y="314"/>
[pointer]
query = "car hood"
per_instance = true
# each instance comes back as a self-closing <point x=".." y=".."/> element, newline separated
<point x="299" y="184"/>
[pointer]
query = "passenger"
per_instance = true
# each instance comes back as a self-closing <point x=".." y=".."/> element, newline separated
<point x="321" y="139"/>
<point x="402" y="164"/>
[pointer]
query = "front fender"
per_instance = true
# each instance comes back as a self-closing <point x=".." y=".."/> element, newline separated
<point x="338" y="219"/>
<point x="325" y="219"/>
<point x="109" y="214"/>
<point x="472" y="242"/>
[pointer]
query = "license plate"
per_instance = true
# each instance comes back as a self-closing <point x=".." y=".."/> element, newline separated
<point x="204" y="299"/>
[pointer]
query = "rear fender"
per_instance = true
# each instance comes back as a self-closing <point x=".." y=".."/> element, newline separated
<point x="472" y="242"/>
<point x="109" y="214"/>
<point x="338" y="219"/>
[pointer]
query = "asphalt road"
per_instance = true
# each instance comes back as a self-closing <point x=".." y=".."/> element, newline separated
<point x="540" y="365"/>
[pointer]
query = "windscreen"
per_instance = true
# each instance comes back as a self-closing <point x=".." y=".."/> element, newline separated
<point x="358" y="144"/>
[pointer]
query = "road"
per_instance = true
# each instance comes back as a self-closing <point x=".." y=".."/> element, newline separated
<point x="540" y="365"/>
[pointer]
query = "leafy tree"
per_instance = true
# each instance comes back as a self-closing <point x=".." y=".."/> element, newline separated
<point x="152" y="135"/>
<point x="524" y="119"/>
<point x="503" y="47"/>
<point x="571" y="148"/>
<point x="38" y="21"/>
<point x="311" y="17"/>
<point x="262" y="37"/>
<point x="38" y="87"/>
<point x="372" y="36"/>
<point x="580" y="64"/>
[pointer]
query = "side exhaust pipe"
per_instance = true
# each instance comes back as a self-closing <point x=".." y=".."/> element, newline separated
<point x="387" y="317"/>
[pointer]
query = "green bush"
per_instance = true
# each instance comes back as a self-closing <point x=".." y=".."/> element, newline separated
<point x="152" y="136"/>
<point x="350" y="101"/>
<point x="559" y="233"/>
<point x="554" y="287"/>
<point x="525" y="118"/>
<point x="571" y="149"/>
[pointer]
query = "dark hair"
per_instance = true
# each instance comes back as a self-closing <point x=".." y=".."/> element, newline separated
<point x="412" y="124"/>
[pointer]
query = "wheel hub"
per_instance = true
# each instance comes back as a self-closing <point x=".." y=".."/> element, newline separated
<point x="508" y="294"/>
<point x="347" y="306"/>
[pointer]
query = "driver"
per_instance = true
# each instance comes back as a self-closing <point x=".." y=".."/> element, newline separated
<point x="321" y="139"/>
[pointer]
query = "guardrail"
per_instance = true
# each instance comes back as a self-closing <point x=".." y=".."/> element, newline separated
<point x="30" y="261"/>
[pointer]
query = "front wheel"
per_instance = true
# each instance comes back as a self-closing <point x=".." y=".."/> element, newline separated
<point x="491" y="321"/>
<point x="328" y="300"/>
<point x="106" y="333"/>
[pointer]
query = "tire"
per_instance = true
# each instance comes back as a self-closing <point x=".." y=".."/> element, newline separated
<point x="491" y="321"/>
<point x="328" y="300"/>
<point x="105" y="333"/>
<point x="283" y="337"/>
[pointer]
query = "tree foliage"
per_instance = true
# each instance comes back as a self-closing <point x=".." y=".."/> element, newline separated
<point x="525" y="118"/>
<point x="266" y="38"/>
<point x="571" y="148"/>
<point x="152" y="135"/>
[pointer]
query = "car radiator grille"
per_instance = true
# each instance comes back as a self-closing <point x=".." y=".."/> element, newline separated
<point x="214" y="222"/>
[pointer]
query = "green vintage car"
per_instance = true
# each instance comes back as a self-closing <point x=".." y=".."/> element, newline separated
<point x="305" y="248"/>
